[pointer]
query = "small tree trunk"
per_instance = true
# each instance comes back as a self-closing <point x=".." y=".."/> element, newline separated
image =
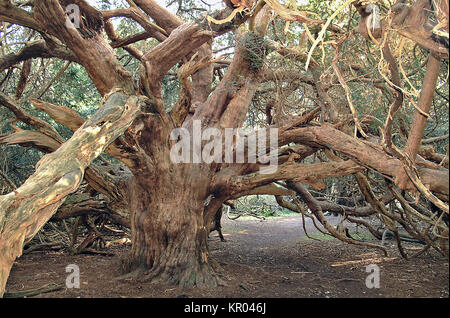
<point x="169" y="234"/>
<point x="425" y="100"/>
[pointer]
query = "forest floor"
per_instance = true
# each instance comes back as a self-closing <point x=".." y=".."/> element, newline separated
<point x="271" y="258"/>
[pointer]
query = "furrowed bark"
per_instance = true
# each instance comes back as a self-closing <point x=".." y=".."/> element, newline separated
<point x="425" y="100"/>
<point x="172" y="203"/>
<point x="169" y="235"/>
<point x="171" y="217"/>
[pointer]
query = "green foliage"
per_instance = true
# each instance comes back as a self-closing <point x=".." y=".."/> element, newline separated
<point x="254" y="50"/>
<point x="261" y="205"/>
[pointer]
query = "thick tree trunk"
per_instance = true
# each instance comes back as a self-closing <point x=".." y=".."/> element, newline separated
<point x="169" y="233"/>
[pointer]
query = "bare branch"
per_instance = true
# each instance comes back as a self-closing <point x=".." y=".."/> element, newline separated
<point x="36" y="49"/>
<point x="25" y="117"/>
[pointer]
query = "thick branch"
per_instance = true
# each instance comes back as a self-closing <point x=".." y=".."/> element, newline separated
<point x="363" y="152"/>
<point x="162" y="16"/>
<point x="12" y="14"/>
<point x="185" y="39"/>
<point x="316" y="209"/>
<point x="287" y="171"/>
<point x="27" y="209"/>
<point x="91" y="49"/>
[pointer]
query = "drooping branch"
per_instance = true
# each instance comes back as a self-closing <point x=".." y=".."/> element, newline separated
<point x="370" y="197"/>
<point x="83" y="205"/>
<point x="268" y="189"/>
<point x="316" y="209"/>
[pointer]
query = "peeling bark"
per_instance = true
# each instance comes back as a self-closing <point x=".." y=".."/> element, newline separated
<point x="58" y="174"/>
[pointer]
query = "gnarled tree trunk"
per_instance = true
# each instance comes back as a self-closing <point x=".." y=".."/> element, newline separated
<point x="169" y="232"/>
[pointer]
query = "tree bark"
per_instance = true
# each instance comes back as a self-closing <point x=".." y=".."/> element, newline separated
<point x="169" y="231"/>
<point x="425" y="100"/>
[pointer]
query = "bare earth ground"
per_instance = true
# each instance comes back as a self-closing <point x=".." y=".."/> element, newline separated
<point x="272" y="258"/>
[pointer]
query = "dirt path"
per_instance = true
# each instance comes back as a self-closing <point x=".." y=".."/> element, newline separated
<point x="250" y="240"/>
<point x="260" y="259"/>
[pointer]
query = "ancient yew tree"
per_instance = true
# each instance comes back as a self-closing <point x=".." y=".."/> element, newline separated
<point x="350" y="87"/>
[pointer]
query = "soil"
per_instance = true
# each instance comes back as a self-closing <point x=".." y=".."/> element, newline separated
<point x="271" y="258"/>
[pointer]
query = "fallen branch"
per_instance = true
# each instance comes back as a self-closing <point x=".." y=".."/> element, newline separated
<point x="34" y="292"/>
